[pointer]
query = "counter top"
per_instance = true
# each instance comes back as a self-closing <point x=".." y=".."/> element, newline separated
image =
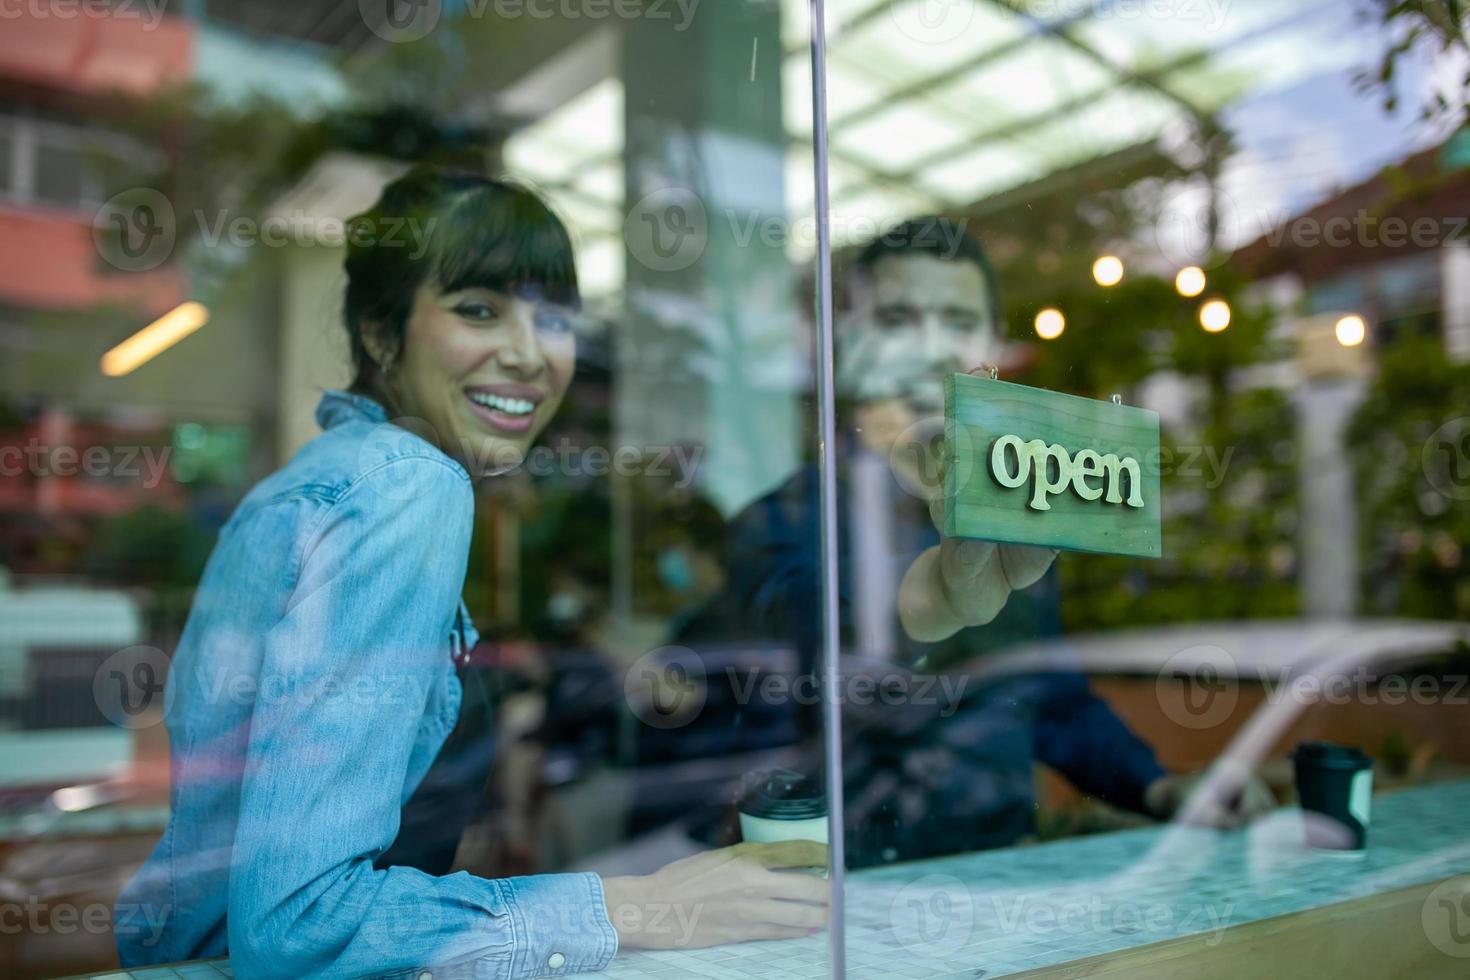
<point x="994" y="913"/>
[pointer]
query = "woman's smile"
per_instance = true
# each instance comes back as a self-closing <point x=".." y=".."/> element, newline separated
<point x="505" y="407"/>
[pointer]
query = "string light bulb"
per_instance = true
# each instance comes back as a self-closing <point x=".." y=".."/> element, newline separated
<point x="1351" y="330"/>
<point x="1050" y="323"/>
<point x="1214" y="316"/>
<point x="1108" y="270"/>
<point x="1190" y="281"/>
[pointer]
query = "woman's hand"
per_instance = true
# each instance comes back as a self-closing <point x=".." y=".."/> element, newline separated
<point x="732" y="895"/>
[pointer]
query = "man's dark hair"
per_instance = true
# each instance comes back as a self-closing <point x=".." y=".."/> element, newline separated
<point x="938" y="237"/>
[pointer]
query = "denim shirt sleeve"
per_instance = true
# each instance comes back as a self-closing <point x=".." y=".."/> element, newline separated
<point x="346" y="676"/>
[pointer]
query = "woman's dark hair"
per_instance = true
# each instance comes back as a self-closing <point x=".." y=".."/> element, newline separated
<point x="457" y="230"/>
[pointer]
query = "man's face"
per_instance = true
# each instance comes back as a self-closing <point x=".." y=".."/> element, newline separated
<point x="914" y="320"/>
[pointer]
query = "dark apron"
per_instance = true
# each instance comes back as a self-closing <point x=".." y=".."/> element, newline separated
<point x="452" y="792"/>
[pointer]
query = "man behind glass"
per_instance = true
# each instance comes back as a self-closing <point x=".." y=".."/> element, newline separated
<point x="924" y="777"/>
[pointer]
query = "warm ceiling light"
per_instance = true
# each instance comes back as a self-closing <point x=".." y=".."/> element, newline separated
<point x="154" y="339"/>
<point x="1190" y="281"/>
<point x="1108" y="270"/>
<point x="1214" y="316"/>
<point x="1050" y="323"/>
<point x="1351" y="330"/>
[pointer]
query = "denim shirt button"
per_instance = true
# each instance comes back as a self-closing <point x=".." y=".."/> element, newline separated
<point x="426" y="975"/>
<point x="556" y="961"/>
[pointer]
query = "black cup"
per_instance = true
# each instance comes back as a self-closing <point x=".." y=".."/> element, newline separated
<point x="1335" y="784"/>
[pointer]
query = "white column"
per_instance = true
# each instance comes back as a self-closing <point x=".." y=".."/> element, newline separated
<point x="1454" y="268"/>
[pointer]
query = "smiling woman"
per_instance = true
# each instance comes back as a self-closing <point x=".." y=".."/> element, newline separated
<point x="306" y="706"/>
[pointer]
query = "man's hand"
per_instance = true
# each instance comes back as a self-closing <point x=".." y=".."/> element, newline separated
<point x="1166" y="797"/>
<point x="961" y="582"/>
<point x="732" y="895"/>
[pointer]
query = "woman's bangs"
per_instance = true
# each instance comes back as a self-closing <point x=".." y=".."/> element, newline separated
<point x="504" y="239"/>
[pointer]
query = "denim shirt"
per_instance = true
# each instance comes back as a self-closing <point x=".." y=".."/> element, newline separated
<point x="312" y="687"/>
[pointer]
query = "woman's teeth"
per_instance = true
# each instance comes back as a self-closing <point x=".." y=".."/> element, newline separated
<point x="510" y="406"/>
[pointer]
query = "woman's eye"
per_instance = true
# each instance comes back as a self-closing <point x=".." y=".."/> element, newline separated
<point x="553" y="322"/>
<point x="476" y="311"/>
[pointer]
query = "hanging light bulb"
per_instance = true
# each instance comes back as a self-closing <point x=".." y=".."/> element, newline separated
<point x="1050" y="323"/>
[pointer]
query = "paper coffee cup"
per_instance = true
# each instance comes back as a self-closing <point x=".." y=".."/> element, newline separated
<point x="782" y="804"/>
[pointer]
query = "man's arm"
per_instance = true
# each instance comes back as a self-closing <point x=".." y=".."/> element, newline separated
<point x="1078" y="735"/>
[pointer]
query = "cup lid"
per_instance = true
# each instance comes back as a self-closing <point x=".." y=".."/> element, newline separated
<point x="1331" y="755"/>
<point x="783" y="794"/>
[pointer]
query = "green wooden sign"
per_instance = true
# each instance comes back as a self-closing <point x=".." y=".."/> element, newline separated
<point x="1027" y="466"/>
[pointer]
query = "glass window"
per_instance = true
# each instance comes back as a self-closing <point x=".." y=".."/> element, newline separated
<point x="7" y="165"/>
<point x="60" y="172"/>
<point x="1096" y="749"/>
<point x="421" y="536"/>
